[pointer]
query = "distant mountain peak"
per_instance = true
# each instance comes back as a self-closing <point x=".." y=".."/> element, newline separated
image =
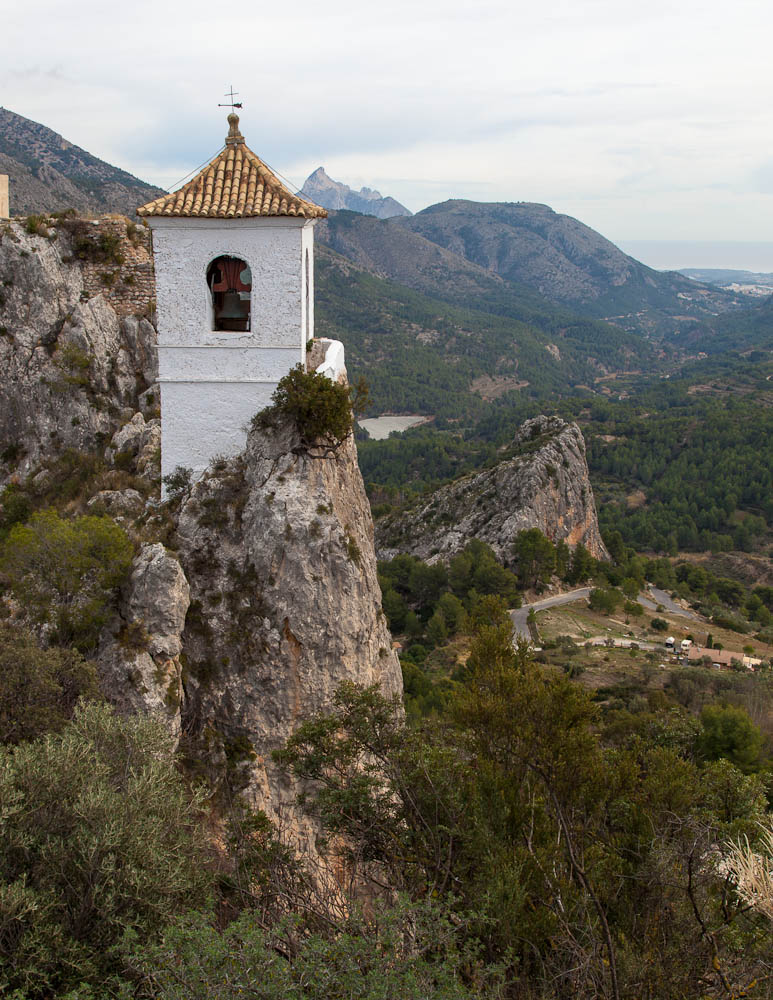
<point x="323" y="190"/>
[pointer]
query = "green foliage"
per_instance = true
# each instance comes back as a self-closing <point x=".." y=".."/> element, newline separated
<point x="411" y="951"/>
<point x="729" y="733"/>
<point x="39" y="687"/>
<point x="100" y="837"/>
<point x="536" y="557"/>
<point x="66" y="573"/>
<point x="659" y="624"/>
<point x="37" y="225"/>
<point x="604" y="601"/>
<point x="319" y="408"/>
<point x="178" y="482"/>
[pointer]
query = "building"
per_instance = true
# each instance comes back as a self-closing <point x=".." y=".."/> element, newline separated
<point x="234" y="259"/>
<point x="5" y="202"/>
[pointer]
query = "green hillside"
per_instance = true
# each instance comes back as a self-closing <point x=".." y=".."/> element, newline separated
<point x="424" y="355"/>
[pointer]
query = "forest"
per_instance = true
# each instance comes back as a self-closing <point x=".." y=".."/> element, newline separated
<point x="673" y="469"/>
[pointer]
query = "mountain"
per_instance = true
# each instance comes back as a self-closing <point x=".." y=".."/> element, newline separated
<point x="324" y="191"/>
<point x="567" y="262"/>
<point x="543" y="483"/>
<point x="435" y="355"/>
<point x="48" y="173"/>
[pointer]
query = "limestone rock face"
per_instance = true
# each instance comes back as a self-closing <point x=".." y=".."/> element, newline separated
<point x="285" y="606"/>
<point x="70" y="364"/>
<point x="139" y="656"/>
<point x="545" y="486"/>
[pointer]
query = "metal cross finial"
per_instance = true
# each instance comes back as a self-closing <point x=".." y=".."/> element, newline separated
<point x="232" y="104"/>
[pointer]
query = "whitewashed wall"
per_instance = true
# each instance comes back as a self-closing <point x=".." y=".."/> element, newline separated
<point x="213" y="382"/>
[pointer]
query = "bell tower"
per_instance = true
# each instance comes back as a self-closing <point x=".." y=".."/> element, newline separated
<point x="234" y="260"/>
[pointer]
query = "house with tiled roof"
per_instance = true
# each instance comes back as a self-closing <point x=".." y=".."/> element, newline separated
<point x="233" y="250"/>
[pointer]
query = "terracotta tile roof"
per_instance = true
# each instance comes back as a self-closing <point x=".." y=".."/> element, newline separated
<point x="235" y="185"/>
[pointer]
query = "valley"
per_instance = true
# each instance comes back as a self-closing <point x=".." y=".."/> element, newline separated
<point x="386" y="709"/>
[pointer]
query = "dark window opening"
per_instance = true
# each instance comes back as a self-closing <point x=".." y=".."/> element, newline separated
<point x="230" y="284"/>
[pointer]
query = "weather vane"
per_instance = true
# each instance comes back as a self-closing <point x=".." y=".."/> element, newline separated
<point x="232" y="104"/>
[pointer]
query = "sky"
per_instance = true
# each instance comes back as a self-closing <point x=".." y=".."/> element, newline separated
<point x="647" y="121"/>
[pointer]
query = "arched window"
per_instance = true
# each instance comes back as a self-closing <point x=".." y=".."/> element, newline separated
<point x="230" y="284"/>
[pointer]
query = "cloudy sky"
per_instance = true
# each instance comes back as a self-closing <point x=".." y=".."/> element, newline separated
<point x="648" y="121"/>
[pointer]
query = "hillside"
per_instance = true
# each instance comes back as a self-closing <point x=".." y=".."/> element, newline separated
<point x="48" y="173"/>
<point x="567" y="262"/>
<point x="323" y="190"/>
<point x="422" y="354"/>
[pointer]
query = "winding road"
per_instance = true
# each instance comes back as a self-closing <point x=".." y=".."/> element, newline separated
<point x="654" y="597"/>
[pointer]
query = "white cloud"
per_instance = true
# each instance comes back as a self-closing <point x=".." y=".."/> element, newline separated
<point x="646" y="121"/>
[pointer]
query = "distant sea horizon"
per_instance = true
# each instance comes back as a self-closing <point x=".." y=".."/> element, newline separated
<point x="673" y="255"/>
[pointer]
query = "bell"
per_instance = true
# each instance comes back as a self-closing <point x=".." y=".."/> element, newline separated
<point x="232" y="307"/>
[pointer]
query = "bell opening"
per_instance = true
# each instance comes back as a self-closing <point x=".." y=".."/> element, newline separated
<point x="230" y="284"/>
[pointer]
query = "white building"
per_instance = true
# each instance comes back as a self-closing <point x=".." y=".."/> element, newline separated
<point x="234" y="260"/>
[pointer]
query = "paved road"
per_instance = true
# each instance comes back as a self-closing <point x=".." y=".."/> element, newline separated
<point x="661" y="597"/>
<point x="520" y="615"/>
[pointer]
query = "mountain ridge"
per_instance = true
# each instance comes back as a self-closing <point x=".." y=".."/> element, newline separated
<point x="49" y="173"/>
<point x="323" y="190"/>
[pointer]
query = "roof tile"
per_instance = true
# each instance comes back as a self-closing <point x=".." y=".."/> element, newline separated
<point x="235" y="185"/>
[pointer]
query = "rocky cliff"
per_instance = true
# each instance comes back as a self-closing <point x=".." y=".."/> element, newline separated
<point x="253" y="594"/>
<point x="76" y="359"/>
<point x="544" y="485"/>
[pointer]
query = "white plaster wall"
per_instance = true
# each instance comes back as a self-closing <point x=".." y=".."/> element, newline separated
<point x="334" y="364"/>
<point x="307" y="243"/>
<point x="212" y="383"/>
<point x="203" y="419"/>
<point x="215" y="364"/>
<point x="273" y="248"/>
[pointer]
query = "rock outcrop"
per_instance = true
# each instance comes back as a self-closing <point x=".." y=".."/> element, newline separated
<point x="73" y="369"/>
<point x="139" y="656"/>
<point x="277" y="547"/>
<point x="545" y="485"/>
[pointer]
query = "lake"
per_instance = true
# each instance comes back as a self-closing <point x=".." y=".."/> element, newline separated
<point x="380" y="428"/>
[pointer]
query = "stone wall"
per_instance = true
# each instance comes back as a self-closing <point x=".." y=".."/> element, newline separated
<point x="129" y="286"/>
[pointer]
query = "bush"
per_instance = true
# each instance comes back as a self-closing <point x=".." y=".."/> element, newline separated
<point x="39" y="687"/>
<point x="412" y="951"/>
<point x="320" y="409"/>
<point x="100" y="838"/>
<point x="659" y="624"/>
<point x="66" y="573"/>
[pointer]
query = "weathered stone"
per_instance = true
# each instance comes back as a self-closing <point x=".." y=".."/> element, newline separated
<point x="70" y="365"/>
<point x="546" y="486"/>
<point x="278" y="549"/>
<point x="119" y="504"/>
<point x="139" y="656"/>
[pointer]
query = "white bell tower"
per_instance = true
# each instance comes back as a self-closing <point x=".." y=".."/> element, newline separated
<point x="234" y="260"/>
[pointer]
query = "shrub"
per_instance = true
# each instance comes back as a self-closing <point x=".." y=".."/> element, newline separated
<point x="66" y="573"/>
<point x="100" y="838"/>
<point x="177" y="482"/>
<point x="39" y="687"/>
<point x="659" y="624"/>
<point x="414" y="951"/>
<point x="320" y="409"/>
